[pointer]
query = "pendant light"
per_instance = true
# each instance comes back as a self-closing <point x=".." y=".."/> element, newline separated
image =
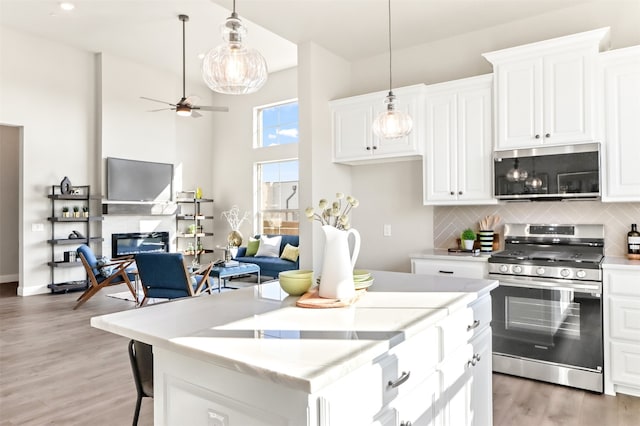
<point x="233" y="68"/>
<point x="392" y="124"/>
<point x="516" y="174"/>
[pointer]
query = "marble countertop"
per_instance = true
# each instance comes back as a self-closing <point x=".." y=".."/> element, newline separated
<point x="260" y="331"/>
<point x="445" y="254"/>
<point x="620" y="263"/>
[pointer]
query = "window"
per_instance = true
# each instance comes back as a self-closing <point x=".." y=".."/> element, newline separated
<point x="277" y="124"/>
<point x="278" y="197"/>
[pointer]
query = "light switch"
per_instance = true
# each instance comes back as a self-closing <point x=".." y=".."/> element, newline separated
<point x="386" y="230"/>
<point x="37" y="227"/>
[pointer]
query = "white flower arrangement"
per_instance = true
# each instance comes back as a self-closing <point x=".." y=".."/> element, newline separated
<point x="334" y="214"/>
<point x="234" y="219"/>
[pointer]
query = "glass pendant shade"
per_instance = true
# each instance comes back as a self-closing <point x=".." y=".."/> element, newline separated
<point x="392" y="124"/>
<point x="232" y="68"/>
<point x="516" y="174"/>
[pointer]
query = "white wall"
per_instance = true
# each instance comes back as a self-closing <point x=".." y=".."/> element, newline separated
<point x="233" y="155"/>
<point x="49" y="90"/>
<point x="9" y="218"/>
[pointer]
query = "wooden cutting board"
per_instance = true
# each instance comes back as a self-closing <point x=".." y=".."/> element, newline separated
<point x="311" y="299"/>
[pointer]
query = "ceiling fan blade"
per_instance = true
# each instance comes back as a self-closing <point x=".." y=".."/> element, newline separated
<point x="192" y="100"/>
<point x="195" y="114"/>
<point x="212" y="108"/>
<point x="161" y="109"/>
<point x="156" y="100"/>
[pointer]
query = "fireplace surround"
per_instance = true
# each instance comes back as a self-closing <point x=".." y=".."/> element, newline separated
<point x="123" y="244"/>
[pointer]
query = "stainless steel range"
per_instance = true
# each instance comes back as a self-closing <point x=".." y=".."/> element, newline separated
<point x="547" y="311"/>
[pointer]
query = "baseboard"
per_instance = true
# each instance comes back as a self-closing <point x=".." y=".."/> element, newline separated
<point x="11" y="278"/>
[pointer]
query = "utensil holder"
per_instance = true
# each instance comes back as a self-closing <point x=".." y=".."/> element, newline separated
<point x="486" y="240"/>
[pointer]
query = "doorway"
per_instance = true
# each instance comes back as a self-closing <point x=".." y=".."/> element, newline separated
<point x="10" y="166"/>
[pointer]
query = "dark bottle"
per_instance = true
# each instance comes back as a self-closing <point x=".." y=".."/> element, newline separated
<point x="633" y="240"/>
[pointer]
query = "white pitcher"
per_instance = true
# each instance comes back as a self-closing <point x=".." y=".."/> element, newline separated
<point x="336" y="281"/>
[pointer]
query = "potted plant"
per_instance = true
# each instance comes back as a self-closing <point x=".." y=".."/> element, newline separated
<point x="468" y="237"/>
<point x="76" y="211"/>
<point x="85" y="211"/>
<point x="65" y="212"/>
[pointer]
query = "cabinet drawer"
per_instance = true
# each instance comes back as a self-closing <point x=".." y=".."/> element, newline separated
<point x="625" y="362"/>
<point x="481" y="315"/>
<point x="455" y="331"/>
<point x="454" y="268"/>
<point x="364" y="392"/>
<point x="625" y="318"/>
<point x="624" y="283"/>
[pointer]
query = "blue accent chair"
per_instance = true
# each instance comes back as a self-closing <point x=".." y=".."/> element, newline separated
<point x="97" y="280"/>
<point x="165" y="276"/>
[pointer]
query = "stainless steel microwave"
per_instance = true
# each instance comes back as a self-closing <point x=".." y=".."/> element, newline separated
<point x="548" y="173"/>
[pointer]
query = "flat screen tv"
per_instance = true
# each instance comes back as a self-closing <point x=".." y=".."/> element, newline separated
<point x="133" y="180"/>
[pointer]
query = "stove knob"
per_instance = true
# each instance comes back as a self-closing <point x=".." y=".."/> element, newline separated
<point x="517" y="269"/>
<point x="540" y="271"/>
<point x="504" y="268"/>
<point x="581" y="274"/>
<point x="565" y="272"/>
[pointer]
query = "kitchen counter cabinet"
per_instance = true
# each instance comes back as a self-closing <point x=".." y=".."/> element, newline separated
<point x="621" y="314"/>
<point x="441" y="262"/>
<point x="457" y="167"/>
<point x="354" y="141"/>
<point x="620" y="71"/>
<point x="545" y="91"/>
<point x="251" y="357"/>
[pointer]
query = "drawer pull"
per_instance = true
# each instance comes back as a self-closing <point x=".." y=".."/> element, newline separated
<point x="446" y="272"/>
<point x="400" y="380"/>
<point x="473" y="361"/>
<point x="473" y="326"/>
<point x="406" y="424"/>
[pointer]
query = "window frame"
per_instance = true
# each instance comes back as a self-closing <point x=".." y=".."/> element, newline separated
<point x="257" y="123"/>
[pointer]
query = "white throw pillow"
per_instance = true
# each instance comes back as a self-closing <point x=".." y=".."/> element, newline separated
<point x="269" y="247"/>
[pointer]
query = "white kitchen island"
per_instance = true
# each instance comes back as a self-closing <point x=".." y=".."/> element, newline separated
<point x="402" y="355"/>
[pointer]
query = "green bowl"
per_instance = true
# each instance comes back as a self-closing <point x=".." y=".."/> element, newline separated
<point x="297" y="273"/>
<point x="295" y="286"/>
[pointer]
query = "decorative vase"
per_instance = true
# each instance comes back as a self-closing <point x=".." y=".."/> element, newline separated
<point x="234" y="238"/>
<point x="336" y="281"/>
<point x="486" y="240"/>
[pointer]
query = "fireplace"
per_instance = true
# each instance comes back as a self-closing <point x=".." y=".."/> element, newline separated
<point x="139" y="242"/>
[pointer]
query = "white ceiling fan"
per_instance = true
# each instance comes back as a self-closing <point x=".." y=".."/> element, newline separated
<point x="186" y="106"/>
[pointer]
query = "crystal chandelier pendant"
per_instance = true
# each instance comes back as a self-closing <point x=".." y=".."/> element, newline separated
<point x="392" y="124"/>
<point x="233" y="68"/>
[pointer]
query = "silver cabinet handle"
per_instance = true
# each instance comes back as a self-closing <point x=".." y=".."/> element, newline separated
<point x="475" y="324"/>
<point x="473" y="361"/>
<point x="400" y="380"/>
<point x="375" y="147"/>
<point x="548" y="135"/>
<point x="537" y="136"/>
<point x="368" y="148"/>
<point x="459" y="192"/>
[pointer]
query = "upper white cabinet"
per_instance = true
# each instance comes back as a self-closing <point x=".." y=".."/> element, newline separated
<point x="353" y="139"/>
<point x="458" y="142"/>
<point x="620" y="70"/>
<point x="544" y="92"/>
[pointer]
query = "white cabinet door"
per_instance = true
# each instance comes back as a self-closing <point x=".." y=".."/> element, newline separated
<point x="352" y="135"/>
<point x="458" y="137"/>
<point x="568" y="98"/>
<point x="353" y="139"/>
<point x="518" y="103"/>
<point x="475" y="137"/>
<point x="621" y="72"/>
<point x="481" y="409"/>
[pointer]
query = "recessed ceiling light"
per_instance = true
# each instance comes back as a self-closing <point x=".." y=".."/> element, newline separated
<point x="67" y="6"/>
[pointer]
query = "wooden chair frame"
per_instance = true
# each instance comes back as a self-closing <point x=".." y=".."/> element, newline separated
<point x="120" y="263"/>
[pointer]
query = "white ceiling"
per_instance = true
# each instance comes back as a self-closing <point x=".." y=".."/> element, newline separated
<point x="149" y="32"/>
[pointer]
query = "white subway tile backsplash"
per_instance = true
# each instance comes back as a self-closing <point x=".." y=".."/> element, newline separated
<point x="616" y="217"/>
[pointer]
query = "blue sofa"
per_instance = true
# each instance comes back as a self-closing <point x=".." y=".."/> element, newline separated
<point x="271" y="266"/>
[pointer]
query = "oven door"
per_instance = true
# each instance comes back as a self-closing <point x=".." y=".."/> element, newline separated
<point x="555" y="321"/>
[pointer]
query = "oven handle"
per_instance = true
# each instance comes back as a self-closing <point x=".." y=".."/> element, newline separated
<point x="594" y="289"/>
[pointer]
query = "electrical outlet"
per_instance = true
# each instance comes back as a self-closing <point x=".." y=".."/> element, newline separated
<point x="386" y="230"/>
<point x="37" y="227"/>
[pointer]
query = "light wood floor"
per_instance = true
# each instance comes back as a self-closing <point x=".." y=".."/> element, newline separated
<point x="57" y="370"/>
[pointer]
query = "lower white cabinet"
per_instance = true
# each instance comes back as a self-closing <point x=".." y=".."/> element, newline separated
<point x="622" y="328"/>
<point x="621" y="108"/>
<point x="462" y="266"/>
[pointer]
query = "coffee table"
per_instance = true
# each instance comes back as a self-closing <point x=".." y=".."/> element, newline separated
<point x="224" y="272"/>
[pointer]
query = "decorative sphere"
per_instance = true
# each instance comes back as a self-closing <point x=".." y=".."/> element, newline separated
<point x="234" y="239"/>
